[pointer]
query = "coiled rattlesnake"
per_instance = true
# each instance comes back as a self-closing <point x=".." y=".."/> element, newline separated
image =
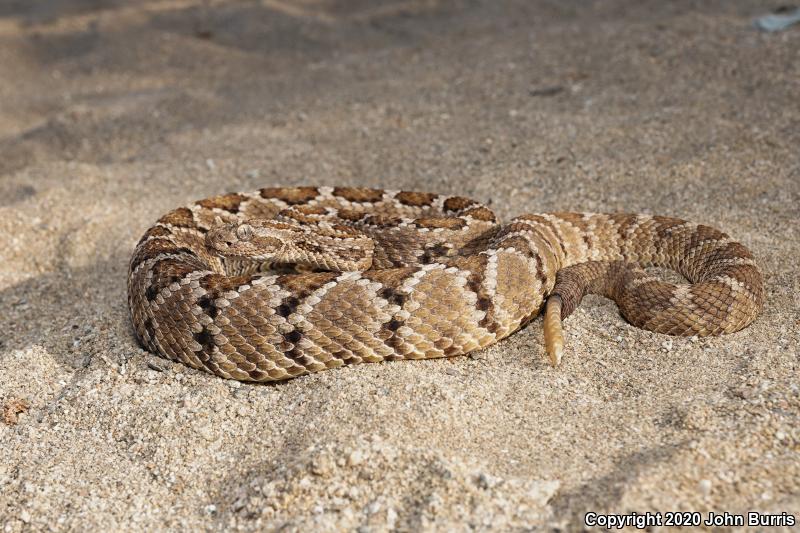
<point x="285" y="281"/>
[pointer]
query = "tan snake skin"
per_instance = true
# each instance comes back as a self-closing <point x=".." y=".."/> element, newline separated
<point x="445" y="278"/>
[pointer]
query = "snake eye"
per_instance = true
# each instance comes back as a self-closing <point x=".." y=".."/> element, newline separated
<point x="244" y="232"/>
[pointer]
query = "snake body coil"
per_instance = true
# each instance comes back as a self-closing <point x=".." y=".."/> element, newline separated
<point x="408" y="275"/>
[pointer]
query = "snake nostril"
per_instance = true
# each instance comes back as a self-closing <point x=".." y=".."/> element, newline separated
<point x="228" y="243"/>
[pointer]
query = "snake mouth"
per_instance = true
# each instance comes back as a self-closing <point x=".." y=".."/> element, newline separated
<point x="229" y="240"/>
<point x="220" y="240"/>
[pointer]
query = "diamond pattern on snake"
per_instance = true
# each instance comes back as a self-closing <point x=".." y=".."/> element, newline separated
<point x="284" y="281"/>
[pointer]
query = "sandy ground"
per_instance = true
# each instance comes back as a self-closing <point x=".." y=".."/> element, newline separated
<point x="112" y="115"/>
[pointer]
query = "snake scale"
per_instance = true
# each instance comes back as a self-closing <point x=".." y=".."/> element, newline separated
<point x="285" y="281"/>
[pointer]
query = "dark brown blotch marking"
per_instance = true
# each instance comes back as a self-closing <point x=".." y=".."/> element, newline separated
<point x="388" y="333"/>
<point x="381" y="221"/>
<point x="290" y="195"/>
<point x="457" y="203"/>
<point x="181" y="217"/>
<point x="151" y="249"/>
<point x="393" y="324"/>
<point x="481" y="213"/>
<point x="293" y="336"/>
<point x="206" y="303"/>
<point x="151" y="292"/>
<point x="308" y="210"/>
<point x="391" y="278"/>
<point x="216" y="284"/>
<point x="287" y="306"/>
<point x="392" y="296"/>
<point x="158" y="246"/>
<point x="416" y="199"/>
<point x="302" y="285"/>
<point x="358" y="194"/>
<point x="433" y="253"/>
<point x="483" y="303"/>
<point x="165" y="273"/>
<point x="205" y="339"/>
<point x="351" y="215"/>
<point x="228" y="202"/>
<point x="475" y="265"/>
<point x="154" y="232"/>
<point x="450" y="223"/>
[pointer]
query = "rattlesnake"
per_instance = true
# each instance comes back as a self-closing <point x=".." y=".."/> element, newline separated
<point x="281" y="282"/>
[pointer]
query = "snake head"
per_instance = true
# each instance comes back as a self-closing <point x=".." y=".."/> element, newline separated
<point x="316" y="244"/>
<point x="259" y="240"/>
